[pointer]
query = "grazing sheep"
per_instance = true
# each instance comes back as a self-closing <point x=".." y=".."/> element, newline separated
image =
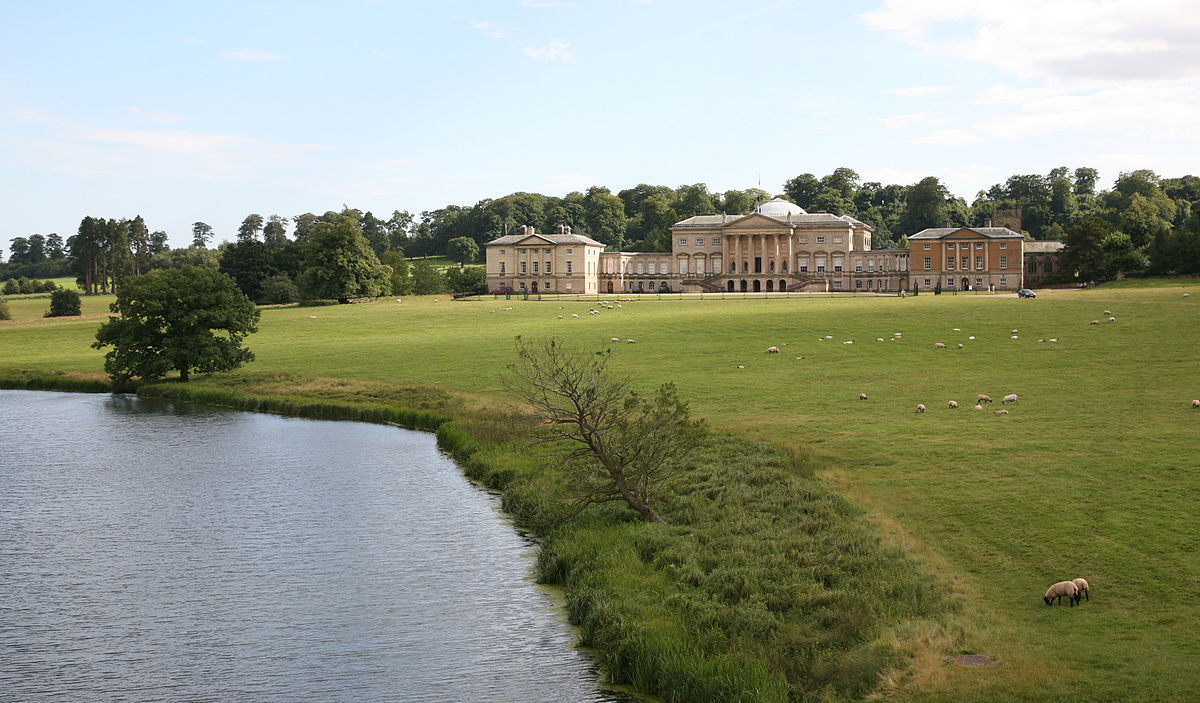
<point x="849" y="341"/>
<point x="960" y="346"/>
<point x="631" y="341"/>
<point x="1041" y="340"/>
<point x="1060" y="589"/>
<point x="615" y="339"/>
<point x="1112" y="319"/>
<point x="1001" y="411"/>
<point x="971" y="337"/>
<point x="829" y="336"/>
<point x="1053" y="339"/>
<point x="978" y="406"/>
<point x="879" y="339"/>
<point x="1014" y="336"/>
<point x="1083" y="589"/>
<point x="1010" y="398"/>
<point x="953" y="405"/>
<point x="772" y="350"/>
<point x="1106" y="312"/>
<point x="1196" y="403"/>
<point x="862" y="396"/>
<point x="1094" y="322"/>
<point x="741" y="367"/>
<point x="575" y="314"/>
<point x="560" y="317"/>
<point x="983" y="398"/>
<point x="939" y="345"/>
<point x="920" y="407"/>
<point x="956" y="330"/>
<point x="1013" y="332"/>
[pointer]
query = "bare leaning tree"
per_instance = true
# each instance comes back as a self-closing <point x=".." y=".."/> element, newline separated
<point x="615" y="444"/>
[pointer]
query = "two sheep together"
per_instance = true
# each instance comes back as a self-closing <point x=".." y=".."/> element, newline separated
<point x="1074" y="590"/>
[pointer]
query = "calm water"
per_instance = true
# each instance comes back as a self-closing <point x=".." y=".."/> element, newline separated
<point x="153" y="551"/>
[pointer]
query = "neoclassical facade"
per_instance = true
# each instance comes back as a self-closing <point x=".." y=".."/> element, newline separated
<point x="777" y="248"/>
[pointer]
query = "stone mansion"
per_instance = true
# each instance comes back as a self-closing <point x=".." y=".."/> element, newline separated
<point x="777" y="248"/>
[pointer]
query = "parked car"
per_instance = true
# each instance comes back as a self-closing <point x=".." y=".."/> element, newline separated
<point x="1026" y="293"/>
<point x="502" y="290"/>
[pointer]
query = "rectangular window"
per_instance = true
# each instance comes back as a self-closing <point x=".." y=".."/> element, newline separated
<point x="966" y="263"/>
<point x="978" y="245"/>
<point x="568" y="285"/>
<point x="570" y="267"/>
<point x="716" y="266"/>
<point x="1003" y="245"/>
<point x="837" y="240"/>
<point x="535" y="267"/>
<point x="570" y="251"/>
<point x="547" y="267"/>
<point x="871" y="265"/>
<point x="522" y="285"/>
<point x="820" y="240"/>
<point x="548" y="251"/>
<point x="858" y="265"/>
<point x="523" y="267"/>
<point x="820" y="265"/>
<point x="683" y="267"/>
<point x="641" y="268"/>
<point x="683" y="241"/>
<point x="927" y="247"/>
<point x="950" y="282"/>
<point x="950" y="264"/>
<point x="928" y="263"/>
<point x="858" y="284"/>
<point x="926" y="282"/>
<point x="520" y="251"/>
<point x="501" y="268"/>
<point x="803" y="240"/>
<point x="869" y="284"/>
<point x="1003" y="262"/>
<point x="949" y="246"/>
<point x="979" y="262"/>
<point x="699" y="242"/>
<point x="501" y="252"/>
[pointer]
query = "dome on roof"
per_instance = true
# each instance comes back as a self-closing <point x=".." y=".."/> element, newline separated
<point x="778" y="207"/>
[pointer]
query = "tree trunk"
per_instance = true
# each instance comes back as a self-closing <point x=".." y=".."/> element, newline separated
<point x="183" y="375"/>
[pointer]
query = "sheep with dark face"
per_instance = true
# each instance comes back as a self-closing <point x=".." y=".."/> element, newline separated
<point x="983" y="398"/>
<point x="1083" y="589"/>
<point x="772" y="350"/>
<point x="1196" y="403"/>
<point x="862" y="396"/>
<point x="920" y="407"/>
<point x="1060" y="589"/>
<point x="952" y="404"/>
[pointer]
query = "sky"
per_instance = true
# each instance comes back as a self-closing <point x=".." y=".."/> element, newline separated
<point x="208" y="111"/>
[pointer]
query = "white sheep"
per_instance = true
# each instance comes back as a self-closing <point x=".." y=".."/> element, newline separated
<point x="1196" y="404"/>
<point x="978" y="406"/>
<point x="1094" y="322"/>
<point x="939" y="345"/>
<point x="1060" y="589"/>
<point x="615" y="339"/>
<point x="848" y="341"/>
<point x="956" y="330"/>
<point x="1015" y="336"/>
<point x="741" y="367"/>
<point x="879" y="339"/>
<point x="1001" y="411"/>
<point x="772" y="350"/>
<point x="1054" y="340"/>
<point x="920" y="407"/>
<point x="971" y="337"/>
<point x="953" y="405"/>
<point x="862" y="396"/>
<point x="829" y="336"/>
<point x="1010" y="398"/>
<point x="983" y="398"/>
<point x="575" y="314"/>
<point x="960" y="346"/>
<point x="1013" y="332"/>
<point x="1082" y="588"/>
<point x="631" y="341"/>
<point x="1112" y="319"/>
<point x="1106" y="312"/>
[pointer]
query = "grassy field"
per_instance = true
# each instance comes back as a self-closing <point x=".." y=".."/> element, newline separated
<point x="1094" y="473"/>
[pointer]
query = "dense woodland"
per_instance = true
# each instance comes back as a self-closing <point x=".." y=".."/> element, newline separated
<point x="1144" y="224"/>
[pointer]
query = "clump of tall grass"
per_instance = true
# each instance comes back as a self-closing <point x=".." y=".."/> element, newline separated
<point x="39" y="381"/>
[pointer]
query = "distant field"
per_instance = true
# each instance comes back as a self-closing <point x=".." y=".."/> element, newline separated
<point x="1094" y="473"/>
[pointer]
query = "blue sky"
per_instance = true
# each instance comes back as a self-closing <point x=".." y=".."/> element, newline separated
<point x="185" y="111"/>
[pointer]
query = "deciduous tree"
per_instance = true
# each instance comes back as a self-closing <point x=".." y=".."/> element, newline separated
<point x="463" y="250"/>
<point x="186" y="319"/>
<point x="64" y="302"/>
<point x="616" y="444"/>
<point x="339" y="263"/>
<point x="201" y="234"/>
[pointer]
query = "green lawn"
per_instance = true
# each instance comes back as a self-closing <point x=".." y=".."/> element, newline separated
<point x="1094" y="473"/>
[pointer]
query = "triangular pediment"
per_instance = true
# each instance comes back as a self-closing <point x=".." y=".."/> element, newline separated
<point x="531" y="239"/>
<point x="754" y="220"/>
<point x="963" y="233"/>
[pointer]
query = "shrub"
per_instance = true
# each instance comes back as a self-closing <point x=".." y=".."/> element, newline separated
<point x="4" y="310"/>
<point x="64" y="302"/>
<point x="46" y="286"/>
<point x="11" y="287"/>
<point x="26" y="285"/>
<point x="279" y="289"/>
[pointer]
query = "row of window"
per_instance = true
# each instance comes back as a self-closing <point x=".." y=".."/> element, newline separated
<point x="537" y="251"/>
<point x="978" y="282"/>
<point x="966" y="245"/>
<point x="525" y="269"/>
<point x="683" y="241"/>
<point x="966" y="263"/>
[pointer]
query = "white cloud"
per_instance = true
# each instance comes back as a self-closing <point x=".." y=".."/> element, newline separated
<point x="920" y="90"/>
<point x="949" y="137"/>
<point x="901" y="121"/>
<point x="250" y="55"/>
<point x="554" y="50"/>
<point x="494" y="30"/>
<point x="1089" y="65"/>
<point x="159" y="117"/>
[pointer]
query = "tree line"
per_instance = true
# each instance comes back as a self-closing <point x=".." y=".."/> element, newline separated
<point x="1143" y="223"/>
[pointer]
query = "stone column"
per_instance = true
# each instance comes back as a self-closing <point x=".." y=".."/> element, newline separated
<point x="791" y="252"/>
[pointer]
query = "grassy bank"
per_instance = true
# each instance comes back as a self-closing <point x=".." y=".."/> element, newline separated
<point x="766" y="586"/>
<point x="1092" y="474"/>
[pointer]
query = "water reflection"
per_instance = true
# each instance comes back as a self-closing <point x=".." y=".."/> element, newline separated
<point x="153" y="551"/>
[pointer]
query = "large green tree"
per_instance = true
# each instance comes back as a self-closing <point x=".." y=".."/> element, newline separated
<point x="463" y="250"/>
<point x="339" y="263"/>
<point x="925" y="206"/>
<point x="186" y="319"/>
<point x="248" y="262"/>
<point x="201" y="234"/>
<point x="250" y="227"/>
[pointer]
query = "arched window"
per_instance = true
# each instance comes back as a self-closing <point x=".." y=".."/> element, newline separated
<point x="782" y="285"/>
<point x="730" y="286"/>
